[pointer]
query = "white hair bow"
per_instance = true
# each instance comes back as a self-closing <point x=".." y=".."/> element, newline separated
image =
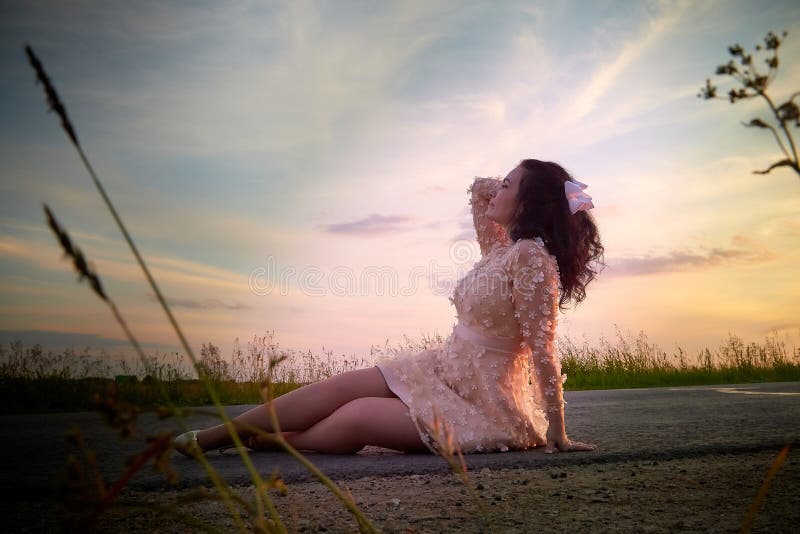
<point x="578" y="200"/>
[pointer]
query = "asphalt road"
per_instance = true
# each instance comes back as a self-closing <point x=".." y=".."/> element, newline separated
<point x="625" y="424"/>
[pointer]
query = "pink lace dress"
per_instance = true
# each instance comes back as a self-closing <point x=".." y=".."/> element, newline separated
<point x="489" y="384"/>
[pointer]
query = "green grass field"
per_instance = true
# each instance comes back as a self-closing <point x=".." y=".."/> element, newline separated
<point x="35" y="380"/>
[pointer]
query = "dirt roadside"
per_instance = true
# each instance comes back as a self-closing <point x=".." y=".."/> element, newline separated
<point x="707" y="494"/>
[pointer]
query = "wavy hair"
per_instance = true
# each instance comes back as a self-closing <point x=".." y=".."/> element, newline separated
<point x="543" y="211"/>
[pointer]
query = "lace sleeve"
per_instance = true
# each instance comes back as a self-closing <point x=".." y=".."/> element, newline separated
<point x="535" y="296"/>
<point x="489" y="232"/>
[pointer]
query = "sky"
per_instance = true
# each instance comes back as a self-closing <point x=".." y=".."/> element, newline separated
<point x="300" y="168"/>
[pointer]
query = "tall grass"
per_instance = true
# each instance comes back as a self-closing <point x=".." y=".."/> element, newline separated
<point x="41" y="380"/>
<point x="633" y="361"/>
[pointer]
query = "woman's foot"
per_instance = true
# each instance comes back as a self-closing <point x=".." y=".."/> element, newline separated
<point x="186" y="444"/>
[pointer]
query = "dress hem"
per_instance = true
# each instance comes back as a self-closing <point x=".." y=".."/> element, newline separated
<point x="401" y="390"/>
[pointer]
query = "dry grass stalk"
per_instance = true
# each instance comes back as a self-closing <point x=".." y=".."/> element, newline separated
<point x="53" y="101"/>
<point x="55" y="104"/>
<point x="274" y="523"/>
<point x="120" y="415"/>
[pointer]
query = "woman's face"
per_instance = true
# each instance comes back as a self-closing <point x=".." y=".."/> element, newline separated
<point x="504" y="203"/>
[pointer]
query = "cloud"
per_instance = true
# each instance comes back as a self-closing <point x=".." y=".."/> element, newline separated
<point x="59" y="339"/>
<point x="433" y="189"/>
<point x="682" y="260"/>
<point x="118" y="266"/>
<point x="605" y="77"/>
<point x="787" y="226"/>
<point x="313" y="76"/>
<point x="12" y="248"/>
<point x="372" y="225"/>
<point x="205" y="304"/>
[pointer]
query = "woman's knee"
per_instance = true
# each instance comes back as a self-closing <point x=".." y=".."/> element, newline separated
<point x="353" y="414"/>
<point x="382" y="422"/>
<point x="348" y="421"/>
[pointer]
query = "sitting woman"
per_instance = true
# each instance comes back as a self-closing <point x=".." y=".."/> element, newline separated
<point x="495" y="384"/>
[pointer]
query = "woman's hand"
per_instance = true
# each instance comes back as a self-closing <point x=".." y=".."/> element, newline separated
<point x="557" y="439"/>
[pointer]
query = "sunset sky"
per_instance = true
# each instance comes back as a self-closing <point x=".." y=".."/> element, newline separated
<point x="246" y="143"/>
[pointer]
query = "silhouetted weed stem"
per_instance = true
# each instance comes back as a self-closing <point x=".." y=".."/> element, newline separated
<point x="262" y="497"/>
<point x="55" y="104"/>
<point x="120" y="416"/>
<point x="89" y="489"/>
<point x="277" y="437"/>
<point x="52" y="96"/>
<point x="79" y="261"/>
<point x="156" y="447"/>
<point x="86" y="271"/>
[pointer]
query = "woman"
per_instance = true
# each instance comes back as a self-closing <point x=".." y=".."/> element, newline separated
<point x="496" y="383"/>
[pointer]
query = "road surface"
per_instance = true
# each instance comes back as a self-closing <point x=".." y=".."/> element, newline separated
<point x="625" y="424"/>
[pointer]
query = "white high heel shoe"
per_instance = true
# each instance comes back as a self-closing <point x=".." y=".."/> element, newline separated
<point x="186" y="444"/>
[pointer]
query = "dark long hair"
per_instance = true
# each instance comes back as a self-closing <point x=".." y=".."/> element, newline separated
<point x="543" y="211"/>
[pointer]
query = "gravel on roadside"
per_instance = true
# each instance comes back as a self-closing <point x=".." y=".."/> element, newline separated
<point x="705" y="494"/>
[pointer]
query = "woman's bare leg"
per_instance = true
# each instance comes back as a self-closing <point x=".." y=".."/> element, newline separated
<point x="304" y="407"/>
<point x="383" y="422"/>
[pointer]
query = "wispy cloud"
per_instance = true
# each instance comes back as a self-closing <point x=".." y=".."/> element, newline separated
<point x="433" y="189"/>
<point x="204" y="304"/>
<point x="177" y="272"/>
<point x="607" y="72"/>
<point x="312" y="78"/>
<point x="11" y="247"/>
<point x="372" y="225"/>
<point x="746" y="252"/>
<point x="60" y="339"/>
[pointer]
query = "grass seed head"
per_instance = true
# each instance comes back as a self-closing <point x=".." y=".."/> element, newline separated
<point x="53" y="101"/>
<point x="84" y="269"/>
